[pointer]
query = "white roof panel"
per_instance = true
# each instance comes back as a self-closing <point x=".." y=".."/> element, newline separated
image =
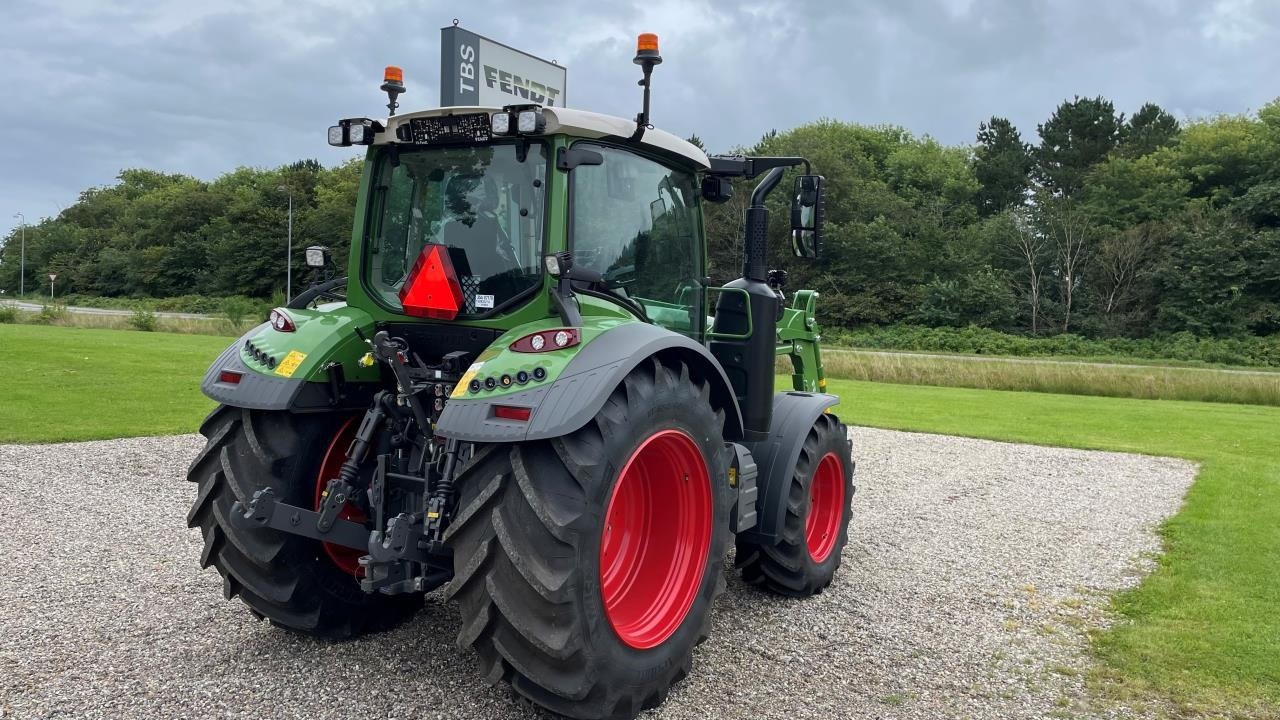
<point x="573" y="122"/>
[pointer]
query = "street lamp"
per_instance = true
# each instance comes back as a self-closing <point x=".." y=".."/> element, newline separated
<point x="288" y="273"/>
<point x="22" y="260"/>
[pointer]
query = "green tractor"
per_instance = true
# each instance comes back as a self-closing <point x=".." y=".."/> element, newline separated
<point x="526" y="389"/>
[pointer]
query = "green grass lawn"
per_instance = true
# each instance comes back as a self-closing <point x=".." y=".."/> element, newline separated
<point x="76" y="384"/>
<point x="1205" y="627"/>
<point x="1203" y="630"/>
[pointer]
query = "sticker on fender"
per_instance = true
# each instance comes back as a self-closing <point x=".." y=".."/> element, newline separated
<point x="290" y="363"/>
<point x="461" y="388"/>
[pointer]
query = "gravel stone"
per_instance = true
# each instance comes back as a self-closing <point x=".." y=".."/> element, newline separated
<point x="974" y="570"/>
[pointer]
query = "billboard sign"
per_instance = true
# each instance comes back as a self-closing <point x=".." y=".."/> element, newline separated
<point x="475" y="70"/>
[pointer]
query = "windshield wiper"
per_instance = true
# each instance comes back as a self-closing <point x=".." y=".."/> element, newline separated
<point x="599" y="287"/>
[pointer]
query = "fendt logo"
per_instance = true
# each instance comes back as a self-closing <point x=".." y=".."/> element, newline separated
<point x="476" y="71"/>
<point x="512" y="84"/>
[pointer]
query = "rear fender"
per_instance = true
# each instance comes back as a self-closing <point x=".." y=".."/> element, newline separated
<point x="793" y="415"/>
<point x="290" y="370"/>
<point x="581" y="388"/>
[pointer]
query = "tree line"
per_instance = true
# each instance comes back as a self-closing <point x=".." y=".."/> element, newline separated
<point x="1107" y="226"/>
<point x="154" y="234"/>
<point x="1103" y="224"/>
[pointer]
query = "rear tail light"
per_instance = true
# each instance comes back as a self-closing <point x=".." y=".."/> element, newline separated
<point x="432" y="289"/>
<point x="229" y="377"/>
<point x="512" y="412"/>
<point x="547" y="340"/>
<point x="281" y="321"/>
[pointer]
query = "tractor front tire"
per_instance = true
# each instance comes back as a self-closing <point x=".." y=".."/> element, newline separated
<point x="297" y="583"/>
<point x="586" y="565"/>
<point x="815" y="525"/>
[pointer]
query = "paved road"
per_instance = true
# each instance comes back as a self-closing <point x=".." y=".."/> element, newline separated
<point x="35" y="307"/>
<point x="974" y="572"/>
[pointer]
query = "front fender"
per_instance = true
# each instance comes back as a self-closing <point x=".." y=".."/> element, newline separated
<point x="583" y="387"/>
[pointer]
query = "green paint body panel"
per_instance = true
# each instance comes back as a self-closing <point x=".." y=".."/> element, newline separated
<point x="324" y="335"/>
<point x="501" y="361"/>
<point x="799" y="338"/>
<point x="328" y="333"/>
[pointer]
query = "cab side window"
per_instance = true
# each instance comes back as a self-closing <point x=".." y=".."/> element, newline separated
<point x="637" y="223"/>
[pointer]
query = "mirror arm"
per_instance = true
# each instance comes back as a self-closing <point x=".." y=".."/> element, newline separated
<point x="766" y="186"/>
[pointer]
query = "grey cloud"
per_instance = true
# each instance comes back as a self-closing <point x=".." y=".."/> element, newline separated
<point x="88" y="88"/>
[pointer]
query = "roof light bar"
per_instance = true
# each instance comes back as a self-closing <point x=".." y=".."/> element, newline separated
<point x="354" y="131"/>
<point x="518" y="119"/>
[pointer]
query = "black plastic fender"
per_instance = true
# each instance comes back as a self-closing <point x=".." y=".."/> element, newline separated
<point x="575" y="397"/>
<point x="793" y="415"/>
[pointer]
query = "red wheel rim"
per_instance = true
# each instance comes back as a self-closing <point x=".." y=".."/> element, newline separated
<point x="657" y="531"/>
<point x="347" y="559"/>
<point x="826" y="507"/>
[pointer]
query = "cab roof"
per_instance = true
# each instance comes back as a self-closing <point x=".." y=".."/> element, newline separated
<point x="580" y="123"/>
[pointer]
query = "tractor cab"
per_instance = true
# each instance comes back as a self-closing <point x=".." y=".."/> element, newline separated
<point x="496" y="201"/>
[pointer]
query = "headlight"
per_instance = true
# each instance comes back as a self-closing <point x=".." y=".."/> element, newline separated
<point x="354" y="131"/>
<point x="500" y="123"/>
<point x="316" y="256"/>
<point x="530" y="121"/>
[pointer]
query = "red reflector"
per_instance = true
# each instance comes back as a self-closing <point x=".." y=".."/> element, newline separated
<point x="511" y="412"/>
<point x="432" y="289"/>
<point x="229" y="377"/>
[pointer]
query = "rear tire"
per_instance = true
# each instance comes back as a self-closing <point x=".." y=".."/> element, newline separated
<point x="288" y="579"/>
<point x="816" y="522"/>
<point x="556" y="598"/>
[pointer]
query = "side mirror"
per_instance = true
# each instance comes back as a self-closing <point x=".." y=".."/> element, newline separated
<point x="807" y="209"/>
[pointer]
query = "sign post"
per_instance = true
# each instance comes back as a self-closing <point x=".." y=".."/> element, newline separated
<point x="52" y="277"/>
<point x="476" y="71"/>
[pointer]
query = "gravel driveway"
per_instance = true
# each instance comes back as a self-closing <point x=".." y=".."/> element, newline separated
<point x="974" y="569"/>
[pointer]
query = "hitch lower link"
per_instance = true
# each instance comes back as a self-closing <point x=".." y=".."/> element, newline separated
<point x="386" y="566"/>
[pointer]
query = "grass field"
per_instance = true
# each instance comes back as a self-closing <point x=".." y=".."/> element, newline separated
<point x="1149" y="382"/>
<point x="1203" y="630"/>
<point x="75" y="384"/>
<point x="1205" y="627"/>
<point x="192" y="326"/>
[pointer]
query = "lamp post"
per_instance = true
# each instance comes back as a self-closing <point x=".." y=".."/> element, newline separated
<point x="288" y="273"/>
<point x="22" y="255"/>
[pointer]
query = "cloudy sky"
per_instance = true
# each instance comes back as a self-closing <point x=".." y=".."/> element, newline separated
<point x="88" y="87"/>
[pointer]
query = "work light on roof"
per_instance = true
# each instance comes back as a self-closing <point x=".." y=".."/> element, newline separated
<point x="500" y="123"/>
<point x="354" y="131"/>
<point x="530" y="121"/>
<point x="521" y="119"/>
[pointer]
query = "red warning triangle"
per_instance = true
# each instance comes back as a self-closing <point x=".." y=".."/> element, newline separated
<point x="432" y="289"/>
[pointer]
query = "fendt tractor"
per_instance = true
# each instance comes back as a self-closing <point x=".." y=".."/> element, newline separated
<point x="526" y="388"/>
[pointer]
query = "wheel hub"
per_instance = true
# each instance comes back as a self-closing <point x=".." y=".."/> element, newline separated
<point x="826" y="507"/>
<point x="655" y="539"/>
<point x="347" y="559"/>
